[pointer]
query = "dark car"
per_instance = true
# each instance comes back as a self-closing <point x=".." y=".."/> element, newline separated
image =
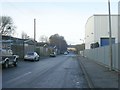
<point x="53" y="54"/>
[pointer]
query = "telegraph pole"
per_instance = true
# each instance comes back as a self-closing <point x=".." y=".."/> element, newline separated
<point x="34" y="33"/>
<point x="110" y="36"/>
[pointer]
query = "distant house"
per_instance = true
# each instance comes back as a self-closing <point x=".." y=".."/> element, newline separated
<point x="8" y="41"/>
<point x="45" y="49"/>
<point x="17" y="45"/>
<point x="42" y="48"/>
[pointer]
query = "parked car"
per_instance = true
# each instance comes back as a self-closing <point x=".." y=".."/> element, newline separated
<point x="8" y="58"/>
<point x="53" y="54"/>
<point x="33" y="56"/>
<point x="65" y="53"/>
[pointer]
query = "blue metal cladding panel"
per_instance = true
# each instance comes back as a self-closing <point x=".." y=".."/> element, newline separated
<point x="105" y="41"/>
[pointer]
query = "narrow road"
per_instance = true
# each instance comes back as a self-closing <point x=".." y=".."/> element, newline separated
<point x="55" y="72"/>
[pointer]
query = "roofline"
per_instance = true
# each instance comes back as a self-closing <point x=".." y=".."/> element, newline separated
<point x="101" y="15"/>
<point x="88" y="20"/>
<point x="106" y="15"/>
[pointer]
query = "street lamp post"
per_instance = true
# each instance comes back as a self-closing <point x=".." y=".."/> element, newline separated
<point x="34" y="33"/>
<point x="110" y="39"/>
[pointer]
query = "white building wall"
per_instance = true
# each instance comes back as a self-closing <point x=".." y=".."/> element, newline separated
<point x="114" y="26"/>
<point x="89" y="30"/>
<point x="101" y="27"/>
<point x="97" y="27"/>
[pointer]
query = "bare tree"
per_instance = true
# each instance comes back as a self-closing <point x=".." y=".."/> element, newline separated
<point x="24" y="35"/>
<point x="43" y="38"/>
<point x="6" y="25"/>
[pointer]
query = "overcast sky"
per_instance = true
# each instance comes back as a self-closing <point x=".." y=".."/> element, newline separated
<point x="65" y="17"/>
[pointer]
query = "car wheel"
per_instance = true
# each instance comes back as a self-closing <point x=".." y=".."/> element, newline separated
<point x="15" y="63"/>
<point x="35" y="59"/>
<point x="38" y="58"/>
<point x="6" y="64"/>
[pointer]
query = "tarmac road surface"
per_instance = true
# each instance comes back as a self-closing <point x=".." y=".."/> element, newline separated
<point x="62" y="71"/>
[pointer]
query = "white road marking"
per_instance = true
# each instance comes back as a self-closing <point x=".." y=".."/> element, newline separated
<point x="15" y="79"/>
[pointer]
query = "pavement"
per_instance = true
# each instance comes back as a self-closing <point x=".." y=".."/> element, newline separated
<point x="99" y="76"/>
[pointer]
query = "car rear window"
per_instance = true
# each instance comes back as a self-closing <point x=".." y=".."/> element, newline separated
<point x="30" y="53"/>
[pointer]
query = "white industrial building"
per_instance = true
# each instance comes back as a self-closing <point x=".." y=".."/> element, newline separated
<point x="97" y="30"/>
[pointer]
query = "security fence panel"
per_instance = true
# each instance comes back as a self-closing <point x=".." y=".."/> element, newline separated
<point x="96" y="53"/>
<point x="107" y="56"/>
<point x="102" y="55"/>
<point x="118" y="56"/>
<point x="93" y="54"/>
<point x="114" y="55"/>
<point x="86" y="53"/>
